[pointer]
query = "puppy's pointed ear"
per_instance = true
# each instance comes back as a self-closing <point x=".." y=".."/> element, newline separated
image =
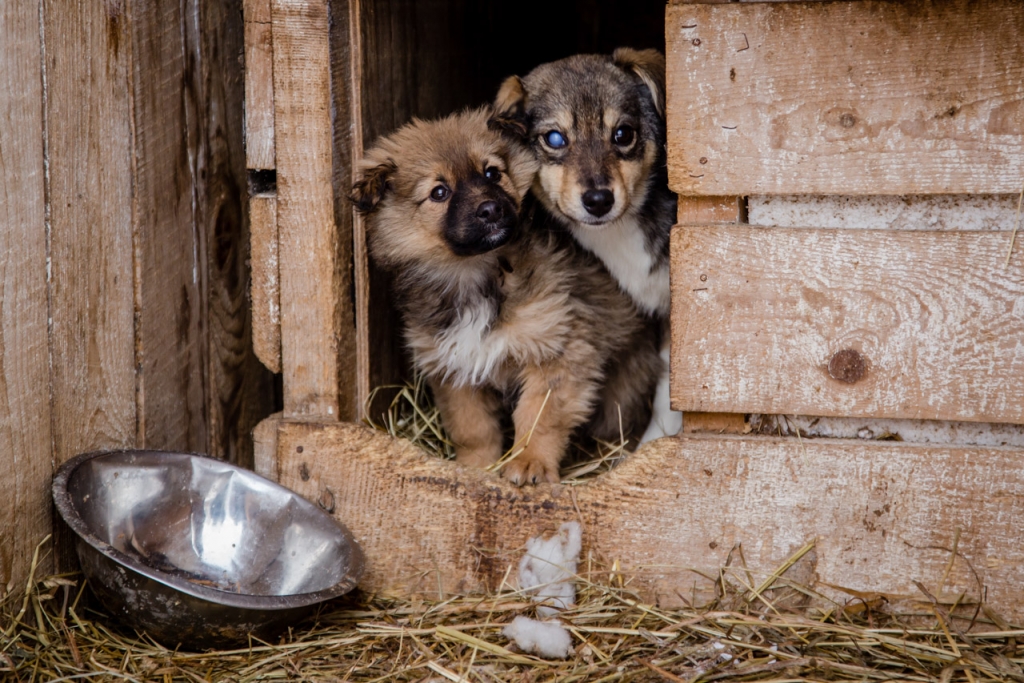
<point x="508" y="114"/>
<point x="649" y="65"/>
<point x="372" y="185"/>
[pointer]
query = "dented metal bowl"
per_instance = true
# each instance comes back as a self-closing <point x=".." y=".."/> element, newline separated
<point x="198" y="552"/>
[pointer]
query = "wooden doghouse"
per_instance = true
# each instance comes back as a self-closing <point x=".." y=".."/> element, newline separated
<point x="848" y="174"/>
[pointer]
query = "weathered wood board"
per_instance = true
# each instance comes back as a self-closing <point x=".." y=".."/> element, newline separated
<point x="882" y="514"/>
<point x="266" y="293"/>
<point x="169" y="330"/>
<point x="240" y="390"/>
<point x="89" y="157"/>
<point x="848" y="323"/>
<point x="24" y="354"/>
<point x="259" y="85"/>
<point x="846" y="97"/>
<point x="703" y="210"/>
<point x="305" y="207"/>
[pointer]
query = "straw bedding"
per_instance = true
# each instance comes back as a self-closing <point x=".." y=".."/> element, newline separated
<point x="53" y="633"/>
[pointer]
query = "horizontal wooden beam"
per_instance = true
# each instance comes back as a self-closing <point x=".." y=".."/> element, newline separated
<point x="871" y="323"/>
<point x="846" y="97"/>
<point x="881" y="515"/>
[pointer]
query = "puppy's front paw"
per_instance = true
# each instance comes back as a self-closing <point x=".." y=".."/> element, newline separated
<point x="477" y="457"/>
<point x="525" y="470"/>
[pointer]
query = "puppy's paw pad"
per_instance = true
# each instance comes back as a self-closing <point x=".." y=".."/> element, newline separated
<point x="522" y="471"/>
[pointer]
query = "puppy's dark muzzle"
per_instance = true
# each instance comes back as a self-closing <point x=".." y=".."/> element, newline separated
<point x="598" y="202"/>
<point x="477" y="230"/>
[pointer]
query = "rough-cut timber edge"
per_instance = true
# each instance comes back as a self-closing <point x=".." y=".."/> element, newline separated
<point x="704" y="210"/>
<point x="259" y="85"/>
<point x="846" y="97"/>
<point x="305" y="208"/>
<point x="264" y="439"/>
<point x="25" y="439"/>
<point x="859" y="323"/>
<point x="882" y="514"/>
<point x="265" y="287"/>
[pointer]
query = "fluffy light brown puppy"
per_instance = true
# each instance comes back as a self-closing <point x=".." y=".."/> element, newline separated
<point x="501" y="313"/>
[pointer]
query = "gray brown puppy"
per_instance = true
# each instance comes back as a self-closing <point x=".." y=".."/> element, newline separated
<point x="500" y="313"/>
<point x="597" y="128"/>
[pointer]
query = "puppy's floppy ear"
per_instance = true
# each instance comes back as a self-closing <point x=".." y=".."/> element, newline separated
<point x="508" y="113"/>
<point x="372" y="186"/>
<point x="649" y="65"/>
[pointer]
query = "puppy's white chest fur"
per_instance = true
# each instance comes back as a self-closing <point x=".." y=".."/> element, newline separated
<point x="473" y="349"/>
<point x="623" y="249"/>
<point x="468" y="351"/>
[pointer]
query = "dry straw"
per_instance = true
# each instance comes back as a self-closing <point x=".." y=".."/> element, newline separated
<point x="412" y="415"/>
<point x="752" y="630"/>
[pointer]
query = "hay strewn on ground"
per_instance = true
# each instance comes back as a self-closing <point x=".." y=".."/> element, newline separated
<point x="745" y="634"/>
<point x="412" y="415"/>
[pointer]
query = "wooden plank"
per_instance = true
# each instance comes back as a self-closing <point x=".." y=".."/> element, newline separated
<point x="696" y="210"/>
<point x="265" y="285"/>
<point x="240" y="390"/>
<point x="882" y="514"/>
<point x="848" y="323"/>
<point x="87" y="61"/>
<point x="703" y="210"/>
<point x="346" y="147"/>
<point x="846" y="97"/>
<point x="264" y="438"/>
<point x="259" y="85"/>
<point x="87" y="55"/>
<point x="305" y="207"/>
<point x="24" y="356"/>
<point x="169" y="328"/>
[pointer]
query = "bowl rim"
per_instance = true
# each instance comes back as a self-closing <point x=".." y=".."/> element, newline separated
<point x="66" y="508"/>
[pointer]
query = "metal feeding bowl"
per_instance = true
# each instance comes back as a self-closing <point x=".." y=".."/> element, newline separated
<point x="198" y="552"/>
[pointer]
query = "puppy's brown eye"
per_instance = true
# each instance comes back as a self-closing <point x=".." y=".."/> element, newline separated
<point x="623" y="136"/>
<point x="492" y="174"/>
<point x="440" y="193"/>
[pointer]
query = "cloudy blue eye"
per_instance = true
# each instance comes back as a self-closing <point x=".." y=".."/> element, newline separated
<point x="555" y="140"/>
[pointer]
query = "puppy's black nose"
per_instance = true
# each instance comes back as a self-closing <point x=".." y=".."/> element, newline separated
<point x="489" y="211"/>
<point x="598" y="202"/>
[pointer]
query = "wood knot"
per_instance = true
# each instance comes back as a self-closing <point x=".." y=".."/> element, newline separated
<point x="847" y="366"/>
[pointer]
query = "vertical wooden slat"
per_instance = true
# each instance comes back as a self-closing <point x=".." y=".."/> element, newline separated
<point x="24" y="361"/>
<point x="692" y="210"/>
<point x="87" y="61"/>
<point x="240" y="390"/>
<point x="305" y="208"/>
<point x="266" y="293"/>
<point x="89" y="141"/>
<point x="168" y="326"/>
<point x="259" y="85"/>
<point x="346" y="142"/>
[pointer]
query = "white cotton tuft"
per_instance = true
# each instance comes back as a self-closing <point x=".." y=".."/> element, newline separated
<point x="548" y="567"/>
<point x="547" y="639"/>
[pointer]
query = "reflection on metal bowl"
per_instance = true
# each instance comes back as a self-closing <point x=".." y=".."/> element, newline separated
<point x="198" y="552"/>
